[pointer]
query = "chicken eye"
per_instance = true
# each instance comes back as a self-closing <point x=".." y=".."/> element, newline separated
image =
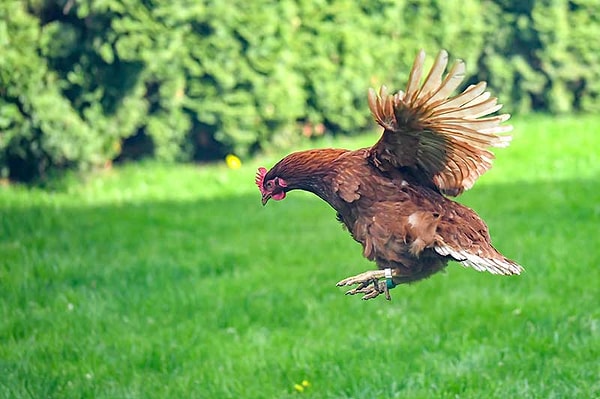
<point x="270" y="185"/>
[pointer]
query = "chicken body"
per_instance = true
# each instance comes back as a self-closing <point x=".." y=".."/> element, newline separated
<point x="395" y="221"/>
<point x="401" y="224"/>
<point x="392" y="196"/>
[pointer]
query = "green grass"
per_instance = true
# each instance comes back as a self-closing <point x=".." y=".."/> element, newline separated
<point x="157" y="281"/>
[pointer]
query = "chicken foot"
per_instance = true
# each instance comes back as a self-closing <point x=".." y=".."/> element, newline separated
<point x="369" y="284"/>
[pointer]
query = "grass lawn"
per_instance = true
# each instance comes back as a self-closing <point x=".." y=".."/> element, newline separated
<point x="154" y="281"/>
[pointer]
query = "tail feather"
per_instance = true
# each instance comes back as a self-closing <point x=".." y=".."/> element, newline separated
<point x="495" y="265"/>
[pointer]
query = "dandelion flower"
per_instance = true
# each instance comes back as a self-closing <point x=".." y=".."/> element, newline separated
<point x="305" y="383"/>
<point x="233" y="162"/>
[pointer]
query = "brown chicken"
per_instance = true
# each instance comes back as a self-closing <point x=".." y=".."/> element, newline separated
<point x="392" y="196"/>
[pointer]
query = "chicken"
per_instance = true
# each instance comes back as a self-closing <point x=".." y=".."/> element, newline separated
<point x="393" y="196"/>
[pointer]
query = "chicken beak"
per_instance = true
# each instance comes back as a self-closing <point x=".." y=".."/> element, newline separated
<point x="265" y="198"/>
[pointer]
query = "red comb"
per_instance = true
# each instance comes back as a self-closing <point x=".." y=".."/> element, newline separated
<point x="260" y="178"/>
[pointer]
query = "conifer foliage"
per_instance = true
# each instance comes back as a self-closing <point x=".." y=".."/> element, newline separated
<point x="86" y="82"/>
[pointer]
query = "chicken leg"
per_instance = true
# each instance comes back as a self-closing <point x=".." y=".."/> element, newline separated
<point x="369" y="283"/>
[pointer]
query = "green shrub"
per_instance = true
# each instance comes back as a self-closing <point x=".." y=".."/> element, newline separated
<point x="85" y="82"/>
<point x="543" y="55"/>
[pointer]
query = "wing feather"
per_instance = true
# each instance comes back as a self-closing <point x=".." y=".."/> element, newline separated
<point x="470" y="94"/>
<point x="434" y="78"/>
<point x="414" y="78"/>
<point x="452" y="81"/>
<point x="446" y="138"/>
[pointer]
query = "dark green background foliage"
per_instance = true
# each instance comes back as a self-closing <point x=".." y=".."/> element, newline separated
<point x="85" y="82"/>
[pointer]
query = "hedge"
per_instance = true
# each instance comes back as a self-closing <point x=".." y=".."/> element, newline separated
<point x="86" y="82"/>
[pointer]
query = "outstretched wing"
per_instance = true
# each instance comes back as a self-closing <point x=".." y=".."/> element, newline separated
<point x="442" y="138"/>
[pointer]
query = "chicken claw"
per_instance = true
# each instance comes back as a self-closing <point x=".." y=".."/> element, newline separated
<point x="368" y="284"/>
<point x="371" y="290"/>
<point x="366" y="277"/>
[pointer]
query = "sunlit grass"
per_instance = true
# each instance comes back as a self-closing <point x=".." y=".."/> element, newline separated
<point x="173" y="281"/>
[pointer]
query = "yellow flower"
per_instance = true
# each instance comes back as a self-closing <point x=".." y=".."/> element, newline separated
<point x="233" y="162"/>
<point x="302" y="386"/>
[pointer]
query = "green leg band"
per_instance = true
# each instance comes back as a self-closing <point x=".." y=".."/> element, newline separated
<point x="388" y="278"/>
